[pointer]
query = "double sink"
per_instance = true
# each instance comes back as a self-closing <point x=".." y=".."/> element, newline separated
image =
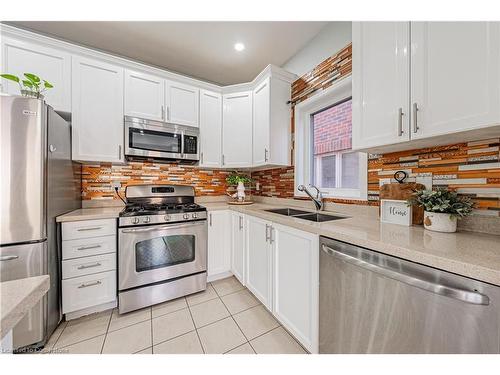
<point x="305" y="215"/>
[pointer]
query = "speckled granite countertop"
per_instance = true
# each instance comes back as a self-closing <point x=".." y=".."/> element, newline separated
<point x="18" y="297"/>
<point x="474" y="255"/>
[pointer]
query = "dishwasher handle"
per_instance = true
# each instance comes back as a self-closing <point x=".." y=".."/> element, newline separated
<point x="443" y="290"/>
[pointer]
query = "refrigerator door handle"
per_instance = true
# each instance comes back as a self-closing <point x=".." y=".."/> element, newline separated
<point x="444" y="290"/>
<point x="5" y="258"/>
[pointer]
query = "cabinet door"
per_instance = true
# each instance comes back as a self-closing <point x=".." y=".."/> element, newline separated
<point x="219" y="237"/>
<point x="296" y="283"/>
<point x="238" y="246"/>
<point x="50" y="64"/>
<point x="210" y="128"/>
<point x="258" y="268"/>
<point x="97" y="118"/>
<point x="261" y="122"/>
<point x="144" y="96"/>
<point x="182" y="104"/>
<point x="380" y="83"/>
<point x="455" y="76"/>
<point x="237" y="130"/>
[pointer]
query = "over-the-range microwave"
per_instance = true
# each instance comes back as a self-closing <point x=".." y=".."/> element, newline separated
<point x="160" y="140"/>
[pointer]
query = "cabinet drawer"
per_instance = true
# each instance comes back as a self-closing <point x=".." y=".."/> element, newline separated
<point x="89" y="228"/>
<point x="88" y="246"/>
<point x="86" y="291"/>
<point x="88" y="265"/>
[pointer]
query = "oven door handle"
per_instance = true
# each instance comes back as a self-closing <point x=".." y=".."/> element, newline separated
<point x="155" y="228"/>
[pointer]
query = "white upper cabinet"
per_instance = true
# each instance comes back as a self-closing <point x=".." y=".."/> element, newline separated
<point x="19" y="57"/>
<point x="455" y="78"/>
<point x="430" y="83"/>
<point x="210" y="129"/>
<point x="237" y="130"/>
<point x="97" y="118"/>
<point x="271" y="123"/>
<point x="380" y="83"/>
<point x="182" y="104"/>
<point x="144" y="95"/>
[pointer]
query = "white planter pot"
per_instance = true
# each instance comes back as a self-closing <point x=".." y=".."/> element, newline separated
<point x="440" y="222"/>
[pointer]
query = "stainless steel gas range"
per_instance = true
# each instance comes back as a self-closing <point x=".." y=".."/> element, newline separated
<point x="162" y="246"/>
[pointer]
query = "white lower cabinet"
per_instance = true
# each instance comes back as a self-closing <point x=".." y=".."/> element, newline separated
<point x="282" y="271"/>
<point x="88" y="266"/>
<point x="258" y="267"/>
<point x="296" y="283"/>
<point x="219" y="245"/>
<point x="238" y="247"/>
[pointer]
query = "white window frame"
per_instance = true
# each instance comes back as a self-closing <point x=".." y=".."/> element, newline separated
<point x="338" y="92"/>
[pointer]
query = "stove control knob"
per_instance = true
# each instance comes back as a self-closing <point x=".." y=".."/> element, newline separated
<point x="185" y="216"/>
<point x="195" y="215"/>
<point x="168" y="217"/>
<point x="135" y="220"/>
<point x="146" y="220"/>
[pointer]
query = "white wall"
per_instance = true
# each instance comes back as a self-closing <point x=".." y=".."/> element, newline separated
<point x="329" y="40"/>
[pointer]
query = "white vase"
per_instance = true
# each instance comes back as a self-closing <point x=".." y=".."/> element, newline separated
<point x="240" y="192"/>
<point x="440" y="222"/>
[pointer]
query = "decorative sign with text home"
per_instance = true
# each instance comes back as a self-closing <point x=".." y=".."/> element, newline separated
<point x="395" y="212"/>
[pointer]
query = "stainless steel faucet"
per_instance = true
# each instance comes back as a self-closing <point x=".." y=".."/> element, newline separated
<point x="317" y="200"/>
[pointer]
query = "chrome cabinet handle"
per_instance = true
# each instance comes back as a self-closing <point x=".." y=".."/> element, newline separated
<point x="86" y="229"/>
<point x="267" y="232"/>
<point x="223" y="159"/>
<point x="5" y="258"/>
<point x="400" y="122"/>
<point x="240" y="222"/>
<point x="443" y="290"/>
<point x="201" y="158"/>
<point x="271" y="234"/>
<point x="91" y="284"/>
<point x="162" y="112"/>
<point x="89" y="266"/>
<point x="89" y="247"/>
<point x="210" y="219"/>
<point x="119" y="151"/>
<point x="415" y="118"/>
<point x="265" y="154"/>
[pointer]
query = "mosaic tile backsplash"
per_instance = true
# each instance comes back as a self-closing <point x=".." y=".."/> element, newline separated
<point x="97" y="180"/>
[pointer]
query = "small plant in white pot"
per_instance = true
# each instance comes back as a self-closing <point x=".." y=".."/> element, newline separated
<point x="240" y="181"/>
<point x="442" y="208"/>
<point x="31" y="86"/>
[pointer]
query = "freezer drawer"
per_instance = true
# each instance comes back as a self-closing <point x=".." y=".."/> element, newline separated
<point x="18" y="262"/>
<point x="374" y="303"/>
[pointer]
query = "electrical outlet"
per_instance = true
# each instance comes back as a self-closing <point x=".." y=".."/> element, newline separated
<point x="257" y="186"/>
<point x="116" y="184"/>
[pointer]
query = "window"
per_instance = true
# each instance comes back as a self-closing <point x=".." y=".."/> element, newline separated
<point x="323" y="145"/>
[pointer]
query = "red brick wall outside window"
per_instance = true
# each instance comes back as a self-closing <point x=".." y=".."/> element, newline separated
<point x="333" y="129"/>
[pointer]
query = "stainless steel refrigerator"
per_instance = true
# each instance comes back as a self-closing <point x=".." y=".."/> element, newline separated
<point x="38" y="182"/>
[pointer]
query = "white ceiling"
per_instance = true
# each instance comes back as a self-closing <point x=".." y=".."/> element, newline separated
<point x="199" y="49"/>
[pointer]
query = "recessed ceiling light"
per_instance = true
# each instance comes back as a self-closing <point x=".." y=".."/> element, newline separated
<point x="239" y="47"/>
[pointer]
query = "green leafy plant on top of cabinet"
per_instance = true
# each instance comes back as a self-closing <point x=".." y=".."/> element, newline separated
<point x="32" y="86"/>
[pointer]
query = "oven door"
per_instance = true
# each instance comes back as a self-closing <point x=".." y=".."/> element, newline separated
<point x="158" y="253"/>
<point x="153" y="140"/>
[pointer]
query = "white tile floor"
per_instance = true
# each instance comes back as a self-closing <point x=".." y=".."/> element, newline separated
<point x="226" y="318"/>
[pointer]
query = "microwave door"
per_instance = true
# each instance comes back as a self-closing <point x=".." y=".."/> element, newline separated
<point x="147" y="141"/>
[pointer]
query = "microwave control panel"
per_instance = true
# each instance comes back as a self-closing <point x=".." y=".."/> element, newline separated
<point x="190" y="144"/>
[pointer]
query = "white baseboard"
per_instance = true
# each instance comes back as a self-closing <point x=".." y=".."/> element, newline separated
<point x="91" y="310"/>
<point x="219" y="276"/>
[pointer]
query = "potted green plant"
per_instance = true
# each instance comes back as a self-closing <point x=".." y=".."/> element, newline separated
<point x="32" y="86"/>
<point x="442" y="208"/>
<point x="239" y="180"/>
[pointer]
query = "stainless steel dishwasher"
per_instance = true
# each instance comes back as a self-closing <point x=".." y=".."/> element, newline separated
<point x="374" y="303"/>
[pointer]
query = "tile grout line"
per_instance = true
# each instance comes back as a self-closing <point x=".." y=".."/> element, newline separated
<point x="235" y="322"/>
<point x="106" y="333"/>
<point x="196" y="329"/>
<point x="58" y="337"/>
